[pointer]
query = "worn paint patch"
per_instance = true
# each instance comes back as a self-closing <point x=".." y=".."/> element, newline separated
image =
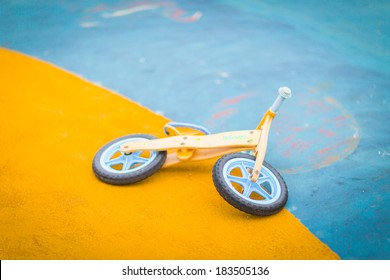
<point x="96" y="15"/>
<point x="323" y="133"/>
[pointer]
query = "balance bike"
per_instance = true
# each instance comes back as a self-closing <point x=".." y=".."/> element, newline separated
<point x="241" y="176"/>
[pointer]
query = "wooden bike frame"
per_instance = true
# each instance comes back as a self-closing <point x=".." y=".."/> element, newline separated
<point x="184" y="147"/>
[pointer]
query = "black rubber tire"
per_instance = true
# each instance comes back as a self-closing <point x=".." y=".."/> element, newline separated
<point x="116" y="178"/>
<point x="237" y="200"/>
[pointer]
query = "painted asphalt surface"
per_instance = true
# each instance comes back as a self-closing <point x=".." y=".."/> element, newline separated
<point x="53" y="207"/>
<point x="219" y="64"/>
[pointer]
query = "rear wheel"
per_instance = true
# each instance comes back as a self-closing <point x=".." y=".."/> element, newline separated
<point x="231" y="176"/>
<point x="114" y="167"/>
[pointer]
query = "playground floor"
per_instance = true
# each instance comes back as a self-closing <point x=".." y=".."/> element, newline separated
<point x="73" y="76"/>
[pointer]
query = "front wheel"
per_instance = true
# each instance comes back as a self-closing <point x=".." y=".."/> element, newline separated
<point x="231" y="176"/>
<point x="114" y="167"/>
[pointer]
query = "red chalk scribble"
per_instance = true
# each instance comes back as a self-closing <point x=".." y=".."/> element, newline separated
<point x="339" y="118"/>
<point x="326" y="133"/>
<point x="324" y="150"/>
<point x="339" y="121"/>
<point x="328" y="149"/>
<point x="287" y="153"/>
<point x="224" y="114"/>
<point x="288" y="138"/>
<point x="300" y="145"/>
<point x="237" y="99"/>
<point x="318" y="106"/>
<point x="177" y="13"/>
<point x="178" y="16"/>
<point x="297" y="146"/>
<point x="299" y="128"/>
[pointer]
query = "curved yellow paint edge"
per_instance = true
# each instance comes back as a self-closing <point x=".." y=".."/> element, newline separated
<point x="52" y="207"/>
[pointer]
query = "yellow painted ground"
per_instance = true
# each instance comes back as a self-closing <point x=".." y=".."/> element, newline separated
<point x="52" y="206"/>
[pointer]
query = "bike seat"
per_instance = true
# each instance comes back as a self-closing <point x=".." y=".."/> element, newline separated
<point x="176" y="128"/>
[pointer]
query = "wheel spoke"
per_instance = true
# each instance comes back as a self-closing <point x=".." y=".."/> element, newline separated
<point x="138" y="159"/>
<point x="132" y="159"/>
<point x="115" y="161"/>
<point x="128" y="163"/>
<point x="247" y="190"/>
<point x="239" y="180"/>
<point x="259" y="190"/>
<point x="243" y="169"/>
<point x="263" y="179"/>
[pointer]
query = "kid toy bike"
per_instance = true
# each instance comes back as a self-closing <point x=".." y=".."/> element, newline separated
<point x="244" y="180"/>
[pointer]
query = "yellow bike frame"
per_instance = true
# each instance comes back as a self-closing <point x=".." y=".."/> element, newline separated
<point x="184" y="146"/>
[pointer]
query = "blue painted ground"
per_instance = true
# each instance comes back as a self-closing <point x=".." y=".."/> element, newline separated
<point x="219" y="64"/>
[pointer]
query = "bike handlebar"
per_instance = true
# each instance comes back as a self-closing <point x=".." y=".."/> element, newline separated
<point x="284" y="93"/>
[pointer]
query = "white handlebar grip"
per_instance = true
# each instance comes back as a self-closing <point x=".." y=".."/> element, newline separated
<point x="284" y="93"/>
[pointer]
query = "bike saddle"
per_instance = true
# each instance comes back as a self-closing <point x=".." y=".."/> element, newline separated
<point x="176" y="128"/>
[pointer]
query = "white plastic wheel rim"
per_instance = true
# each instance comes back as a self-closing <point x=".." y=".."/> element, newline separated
<point x="270" y="194"/>
<point x="127" y="161"/>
